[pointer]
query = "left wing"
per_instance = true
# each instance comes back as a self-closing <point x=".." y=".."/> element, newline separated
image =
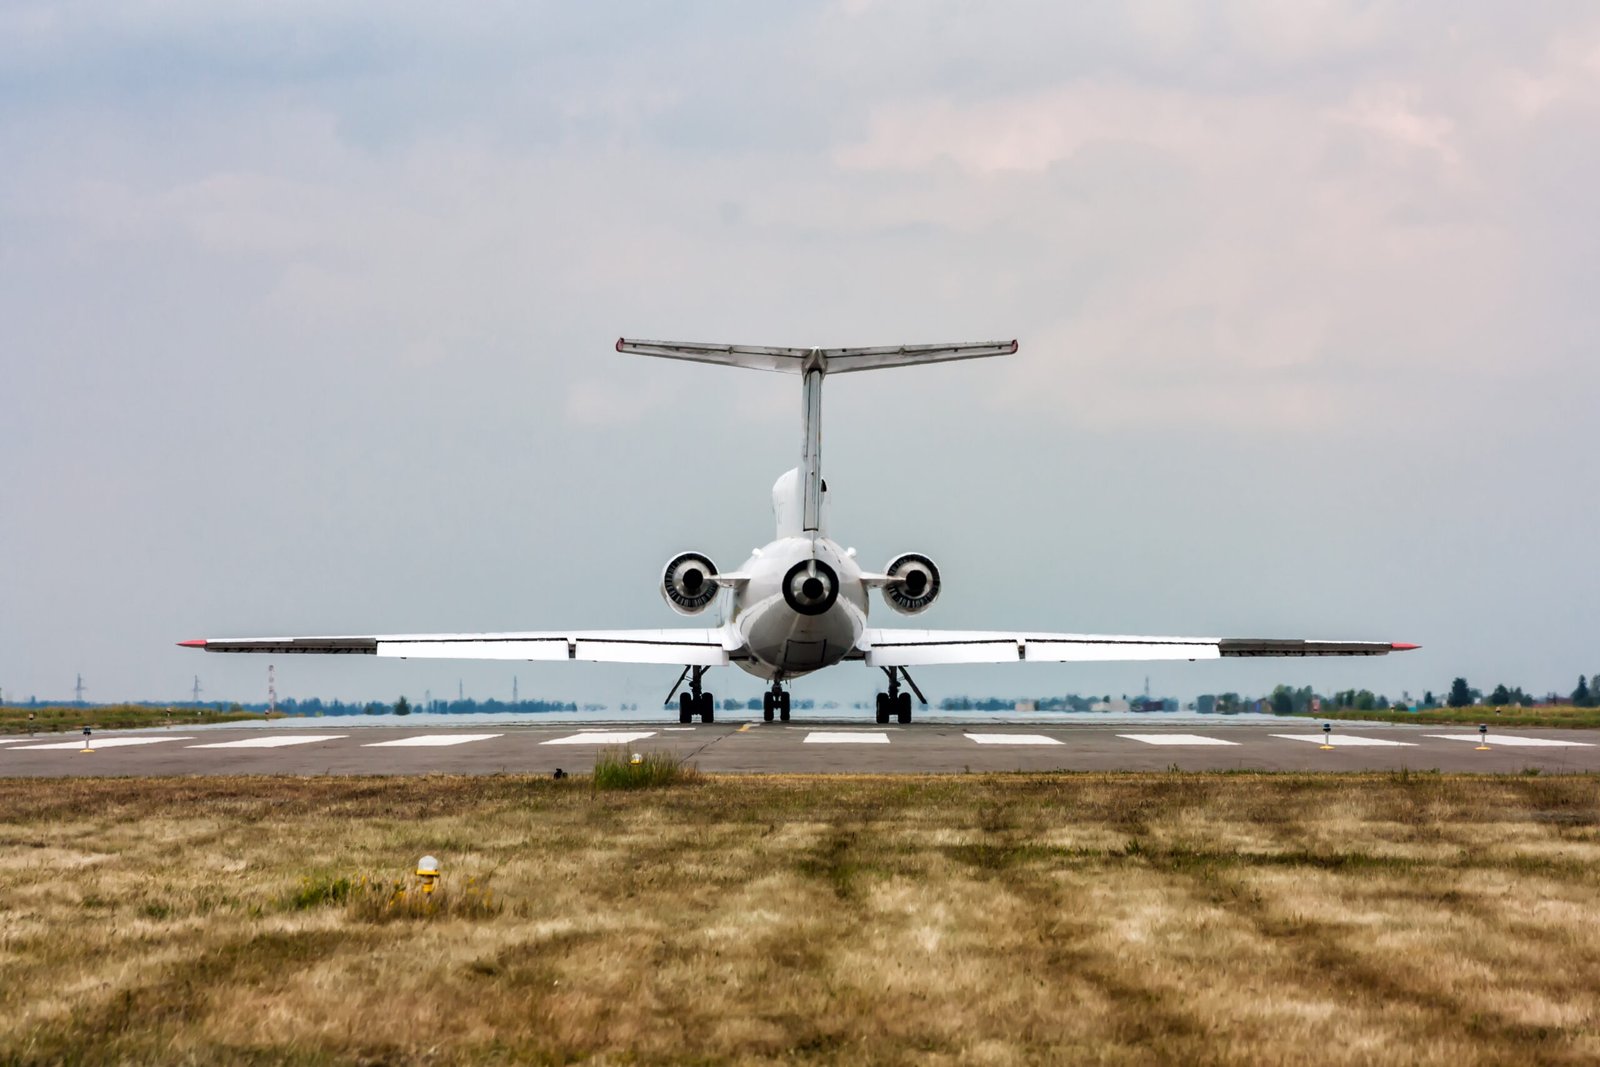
<point x="700" y="648"/>
<point x="914" y="648"/>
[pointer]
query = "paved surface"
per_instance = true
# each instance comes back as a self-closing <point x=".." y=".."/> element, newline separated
<point x="840" y="746"/>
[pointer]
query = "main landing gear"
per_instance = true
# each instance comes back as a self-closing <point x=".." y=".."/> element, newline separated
<point x="895" y="702"/>
<point x="775" y="701"/>
<point x="693" y="701"/>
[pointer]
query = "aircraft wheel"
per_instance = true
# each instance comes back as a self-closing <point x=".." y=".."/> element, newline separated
<point x="883" y="708"/>
<point x="685" y="708"/>
<point x="902" y="707"/>
<point x="708" y="707"/>
<point x="783" y="706"/>
<point x="766" y="707"/>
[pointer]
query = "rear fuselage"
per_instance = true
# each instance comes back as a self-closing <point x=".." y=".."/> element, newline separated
<point x="788" y="636"/>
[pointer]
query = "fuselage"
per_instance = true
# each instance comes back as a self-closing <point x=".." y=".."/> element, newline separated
<point x="781" y="642"/>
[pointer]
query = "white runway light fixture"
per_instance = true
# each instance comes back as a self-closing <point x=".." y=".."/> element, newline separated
<point x="428" y="871"/>
<point x="1483" y="737"/>
<point x="1327" y="735"/>
<point x="88" y="745"/>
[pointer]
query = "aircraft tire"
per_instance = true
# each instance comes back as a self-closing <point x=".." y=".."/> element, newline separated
<point x="708" y="707"/>
<point x="783" y="707"/>
<point x="902" y="707"/>
<point x="685" y="714"/>
<point x="883" y="708"/>
<point x="766" y="707"/>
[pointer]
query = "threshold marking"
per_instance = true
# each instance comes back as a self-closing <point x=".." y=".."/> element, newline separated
<point x="1347" y="741"/>
<point x="99" y="743"/>
<point x="835" y="737"/>
<point x="1177" y="739"/>
<point x="273" y="742"/>
<point x="600" y="737"/>
<point x="1513" y="741"/>
<point x="1012" y="739"/>
<point x="430" y="740"/>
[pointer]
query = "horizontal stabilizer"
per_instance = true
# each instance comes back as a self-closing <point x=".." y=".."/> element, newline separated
<point x="829" y="360"/>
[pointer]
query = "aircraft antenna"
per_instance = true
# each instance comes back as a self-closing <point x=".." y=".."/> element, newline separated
<point x="78" y="689"/>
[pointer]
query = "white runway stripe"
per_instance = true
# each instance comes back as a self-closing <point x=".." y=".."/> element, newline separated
<point x="1348" y="741"/>
<point x="1012" y="739"/>
<point x="430" y="740"/>
<point x="1177" y="739"/>
<point x="600" y="737"/>
<point x="839" y="737"/>
<point x="279" y="741"/>
<point x="1512" y="741"/>
<point x="108" y="742"/>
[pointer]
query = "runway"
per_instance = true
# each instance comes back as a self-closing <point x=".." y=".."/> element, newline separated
<point x="813" y="747"/>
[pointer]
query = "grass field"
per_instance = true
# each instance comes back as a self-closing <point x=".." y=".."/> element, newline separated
<point x="1558" y="715"/>
<point x="996" y="919"/>
<point x="65" y="718"/>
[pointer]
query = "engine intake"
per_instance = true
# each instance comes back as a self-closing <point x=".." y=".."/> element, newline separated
<point x="689" y="583"/>
<point x="914" y="585"/>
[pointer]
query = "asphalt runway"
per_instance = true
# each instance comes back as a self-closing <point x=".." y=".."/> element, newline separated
<point x="812" y="747"/>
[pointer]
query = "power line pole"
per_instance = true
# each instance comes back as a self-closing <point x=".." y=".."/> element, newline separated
<point x="78" y="689"/>
<point x="272" y="691"/>
<point x="513" y="689"/>
<point x="196" y="691"/>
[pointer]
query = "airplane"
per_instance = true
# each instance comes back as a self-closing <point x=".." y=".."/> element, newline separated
<point x="799" y="604"/>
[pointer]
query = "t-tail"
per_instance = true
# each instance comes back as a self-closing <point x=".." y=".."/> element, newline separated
<point x="814" y="364"/>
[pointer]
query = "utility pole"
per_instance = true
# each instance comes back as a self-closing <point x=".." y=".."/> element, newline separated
<point x="513" y="689"/>
<point x="197" y="690"/>
<point x="427" y="699"/>
<point x="79" y="689"/>
<point x="459" y="690"/>
<point x="272" y="691"/>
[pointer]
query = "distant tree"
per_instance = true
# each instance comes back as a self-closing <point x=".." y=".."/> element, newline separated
<point x="1460" y="695"/>
<point x="1400" y="705"/>
<point x="402" y="706"/>
<point x="1427" y="699"/>
<point x="1500" y="696"/>
<point x="1365" y="701"/>
<point x="1581" y="696"/>
<point x="1282" y="700"/>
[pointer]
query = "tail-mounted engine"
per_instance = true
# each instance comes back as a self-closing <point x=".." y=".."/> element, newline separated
<point x="913" y="585"/>
<point x="689" y="583"/>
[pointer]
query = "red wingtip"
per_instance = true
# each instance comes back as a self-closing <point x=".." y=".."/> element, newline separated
<point x="198" y="642"/>
<point x="619" y="343"/>
<point x="1013" y="346"/>
<point x="1401" y="646"/>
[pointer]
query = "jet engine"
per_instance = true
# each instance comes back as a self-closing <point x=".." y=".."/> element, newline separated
<point x="914" y="583"/>
<point x="689" y="583"/>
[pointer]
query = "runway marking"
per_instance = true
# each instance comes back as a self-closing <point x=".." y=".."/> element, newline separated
<point x="1347" y="741"/>
<point x="1177" y="739"/>
<point x="680" y="729"/>
<point x="430" y="740"/>
<point x="837" y="737"/>
<point x="273" y="742"/>
<point x="1012" y="739"/>
<point x="99" y="743"/>
<point x="600" y="737"/>
<point x="1513" y="741"/>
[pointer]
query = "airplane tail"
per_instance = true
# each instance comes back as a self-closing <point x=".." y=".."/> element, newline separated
<point x="827" y="360"/>
<point x="814" y="363"/>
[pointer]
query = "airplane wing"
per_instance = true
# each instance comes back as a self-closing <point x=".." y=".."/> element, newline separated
<point x="700" y="648"/>
<point x="915" y="648"/>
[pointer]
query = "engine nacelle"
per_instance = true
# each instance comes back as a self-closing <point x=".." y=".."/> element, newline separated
<point x="689" y="583"/>
<point x="915" y="583"/>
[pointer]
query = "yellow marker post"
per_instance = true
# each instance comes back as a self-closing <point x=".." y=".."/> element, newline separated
<point x="1483" y="737"/>
<point x="1327" y="735"/>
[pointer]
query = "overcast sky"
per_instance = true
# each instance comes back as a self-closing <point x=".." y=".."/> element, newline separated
<point x="306" y="315"/>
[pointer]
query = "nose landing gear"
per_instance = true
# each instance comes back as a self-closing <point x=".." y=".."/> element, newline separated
<point x="895" y="702"/>
<point x="693" y="701"/>
<point x="775" y="701"/>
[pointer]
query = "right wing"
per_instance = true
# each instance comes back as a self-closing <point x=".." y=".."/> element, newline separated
<point x="700" y="648"/>
<point x="915" y="648"/>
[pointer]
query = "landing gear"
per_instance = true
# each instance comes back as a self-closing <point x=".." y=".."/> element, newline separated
<point x="694" y="702"/>
<point x="775" y="701"/>
<point x="894" y="702"/>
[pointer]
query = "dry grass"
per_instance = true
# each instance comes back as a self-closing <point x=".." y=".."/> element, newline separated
<point x="1557" y="715"/>
<point x="1103" y="918"/>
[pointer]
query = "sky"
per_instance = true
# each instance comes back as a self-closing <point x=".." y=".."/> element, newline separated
<point x="307" y="314"/>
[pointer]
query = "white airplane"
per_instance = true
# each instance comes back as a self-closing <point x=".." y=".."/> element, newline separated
<point x="799" y="604"/>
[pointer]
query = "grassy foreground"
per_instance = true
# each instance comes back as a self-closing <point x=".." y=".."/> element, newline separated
<point x="1002" y="919"/>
